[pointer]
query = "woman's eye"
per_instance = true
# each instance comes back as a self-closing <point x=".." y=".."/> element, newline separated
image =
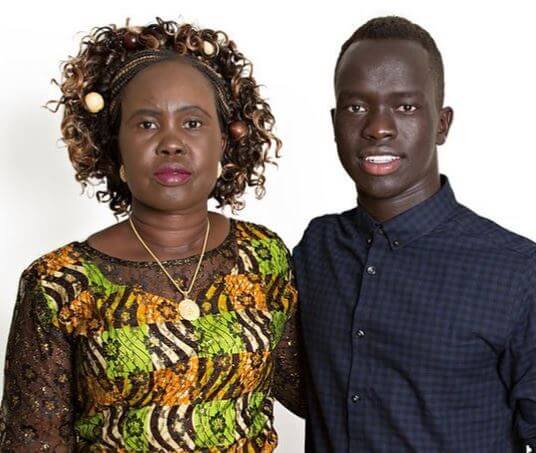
<point x="147" y="125"/>
<point x="192" y="124"/>
<point x="356" y="109"/>
<point x="407" y="108"/>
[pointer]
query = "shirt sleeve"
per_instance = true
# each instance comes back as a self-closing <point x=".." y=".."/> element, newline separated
<point x="36" y="413"/>
<point x="288" y="386"/>
<point x="520" y="360"/>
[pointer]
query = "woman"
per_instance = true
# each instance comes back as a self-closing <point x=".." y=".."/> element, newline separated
<point x="162" y="332"/>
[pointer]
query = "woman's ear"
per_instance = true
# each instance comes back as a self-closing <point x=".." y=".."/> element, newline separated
<point x="224" y="141"/>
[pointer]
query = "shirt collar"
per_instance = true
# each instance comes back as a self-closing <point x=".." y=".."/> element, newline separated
<point x="416" y="221"/>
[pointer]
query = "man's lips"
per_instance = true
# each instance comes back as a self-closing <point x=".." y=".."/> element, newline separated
<point x="172" y="175"/>
<point x="379" y="163"/>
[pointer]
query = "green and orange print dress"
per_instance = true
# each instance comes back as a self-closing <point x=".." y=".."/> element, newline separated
<point x="99" y="359"/>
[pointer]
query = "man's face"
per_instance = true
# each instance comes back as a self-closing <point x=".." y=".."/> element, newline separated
<point x="387" y="122"/>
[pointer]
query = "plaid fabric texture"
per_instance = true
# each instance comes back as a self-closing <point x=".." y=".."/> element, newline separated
<point x="420" y="333"/>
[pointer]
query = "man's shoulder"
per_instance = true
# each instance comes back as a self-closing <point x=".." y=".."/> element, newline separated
<point x="327" y="222"/>
<point x="322" y="232"/>
<point x="480" y="229"/>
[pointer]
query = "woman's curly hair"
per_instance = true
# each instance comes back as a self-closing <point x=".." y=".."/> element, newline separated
<point x="91" y="138"/>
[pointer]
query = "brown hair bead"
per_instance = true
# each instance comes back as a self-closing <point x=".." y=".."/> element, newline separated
<point x="130" y="41"/>
<point x="238" y="130"/>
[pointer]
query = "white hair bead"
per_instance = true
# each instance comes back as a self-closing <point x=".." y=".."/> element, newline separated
<point x="209" y="49"/>
<point x="94" y="102"/>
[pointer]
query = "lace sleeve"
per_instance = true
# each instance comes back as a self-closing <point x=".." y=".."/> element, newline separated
<point x="288" y="384"/>
<point x="37" y="410"/>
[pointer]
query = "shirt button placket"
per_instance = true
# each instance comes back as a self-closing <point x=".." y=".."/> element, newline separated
<point x="360" y="369"/>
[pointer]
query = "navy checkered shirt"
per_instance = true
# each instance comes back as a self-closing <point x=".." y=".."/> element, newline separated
<point x="420" y="333"/>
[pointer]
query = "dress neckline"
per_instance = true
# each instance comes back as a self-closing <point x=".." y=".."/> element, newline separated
<point x="88" y="250"/>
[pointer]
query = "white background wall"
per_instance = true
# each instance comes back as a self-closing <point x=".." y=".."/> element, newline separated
<point x="488" y="52"/>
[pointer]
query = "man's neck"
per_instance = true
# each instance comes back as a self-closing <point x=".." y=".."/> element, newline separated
<point x="383" y="209"/>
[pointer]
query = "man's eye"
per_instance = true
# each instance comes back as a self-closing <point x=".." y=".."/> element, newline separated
<point x="147" y="125"/>
<point x="407" y="108"/>
<point x="192" y="124"/>
<point x="356" y="109"/>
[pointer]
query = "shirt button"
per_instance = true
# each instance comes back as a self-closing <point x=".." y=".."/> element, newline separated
<point x="356" y="398"/>
<point x="360" y="333"/>
<point x="380" y="231"/>
<point x="396" y="243"/>
<point x="369" y="241"/>
<point x="371" y="270"/>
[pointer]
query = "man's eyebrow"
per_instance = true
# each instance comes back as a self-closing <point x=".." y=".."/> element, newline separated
<point x="344" y="94"/>
<point x="349" y="93"/>
<point x="154" y="112"/>
<point x="407" y="93"/>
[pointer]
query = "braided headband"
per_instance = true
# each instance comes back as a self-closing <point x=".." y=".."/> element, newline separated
<point x="137" y="61"/>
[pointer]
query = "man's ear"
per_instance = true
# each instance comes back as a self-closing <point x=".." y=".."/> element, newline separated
<point x="445" y="120"/>
<point x="332" y="113"/>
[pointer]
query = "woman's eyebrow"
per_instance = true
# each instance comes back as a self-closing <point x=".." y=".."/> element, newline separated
<point x="144" y="111"/>
<point x="193" y="107"/>
<point x="155" y="112"/>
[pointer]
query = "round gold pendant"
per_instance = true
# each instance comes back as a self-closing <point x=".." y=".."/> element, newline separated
<point x="189" y="310"/>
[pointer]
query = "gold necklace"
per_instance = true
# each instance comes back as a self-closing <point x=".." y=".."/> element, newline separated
<point x="188" y="308"/>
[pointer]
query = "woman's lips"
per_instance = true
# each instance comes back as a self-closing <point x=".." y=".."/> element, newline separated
<point x="380" y="165"/>
<point x="172" y="176"/>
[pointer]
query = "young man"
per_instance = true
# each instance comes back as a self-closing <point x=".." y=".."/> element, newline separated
<point x="419" y="316"/>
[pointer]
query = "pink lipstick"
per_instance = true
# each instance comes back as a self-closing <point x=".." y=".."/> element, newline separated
<point x="172" y="175"/>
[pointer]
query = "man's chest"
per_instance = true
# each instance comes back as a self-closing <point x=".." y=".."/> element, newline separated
<point x="441" y="305"/>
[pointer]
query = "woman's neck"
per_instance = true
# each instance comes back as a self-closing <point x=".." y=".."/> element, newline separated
<point x="177" y="233"/>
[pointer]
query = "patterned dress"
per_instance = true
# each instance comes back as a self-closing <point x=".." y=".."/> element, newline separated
<point x="99" y="358"/>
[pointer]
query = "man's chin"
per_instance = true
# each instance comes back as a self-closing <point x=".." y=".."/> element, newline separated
<point x="379" y="187"/>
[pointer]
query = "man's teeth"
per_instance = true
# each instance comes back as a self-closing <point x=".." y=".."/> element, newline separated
<point x="381" y="159"/>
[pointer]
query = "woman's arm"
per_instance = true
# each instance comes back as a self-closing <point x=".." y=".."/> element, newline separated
<point x="37" y="407"/>
<point x="288" y="387"/>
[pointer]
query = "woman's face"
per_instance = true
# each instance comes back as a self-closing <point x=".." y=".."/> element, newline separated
<point x="169" y="137"/>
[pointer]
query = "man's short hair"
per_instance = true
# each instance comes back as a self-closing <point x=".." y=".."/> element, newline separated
<point x="394" y="27"/>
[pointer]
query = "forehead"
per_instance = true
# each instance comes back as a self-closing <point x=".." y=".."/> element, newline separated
<point x="171" y="81"/>
<point x="383" y="66"/>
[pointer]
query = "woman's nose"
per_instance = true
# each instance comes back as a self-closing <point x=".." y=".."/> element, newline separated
<point x="171" y="144"/>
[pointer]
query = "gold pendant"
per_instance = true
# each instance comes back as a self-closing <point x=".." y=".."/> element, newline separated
<point x="189" y="310"/>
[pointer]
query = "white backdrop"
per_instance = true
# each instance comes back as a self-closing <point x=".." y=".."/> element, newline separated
<point x="490" y="154"/>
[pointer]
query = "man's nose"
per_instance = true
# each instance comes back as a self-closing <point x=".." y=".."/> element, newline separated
<point x="380" y="126"/>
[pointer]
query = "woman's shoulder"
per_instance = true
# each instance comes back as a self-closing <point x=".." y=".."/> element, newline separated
<point x="250" y="231"/>
<point x="262" y="250"/>
<point x="51" y="282"/>
<point x="56" y="264"/>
